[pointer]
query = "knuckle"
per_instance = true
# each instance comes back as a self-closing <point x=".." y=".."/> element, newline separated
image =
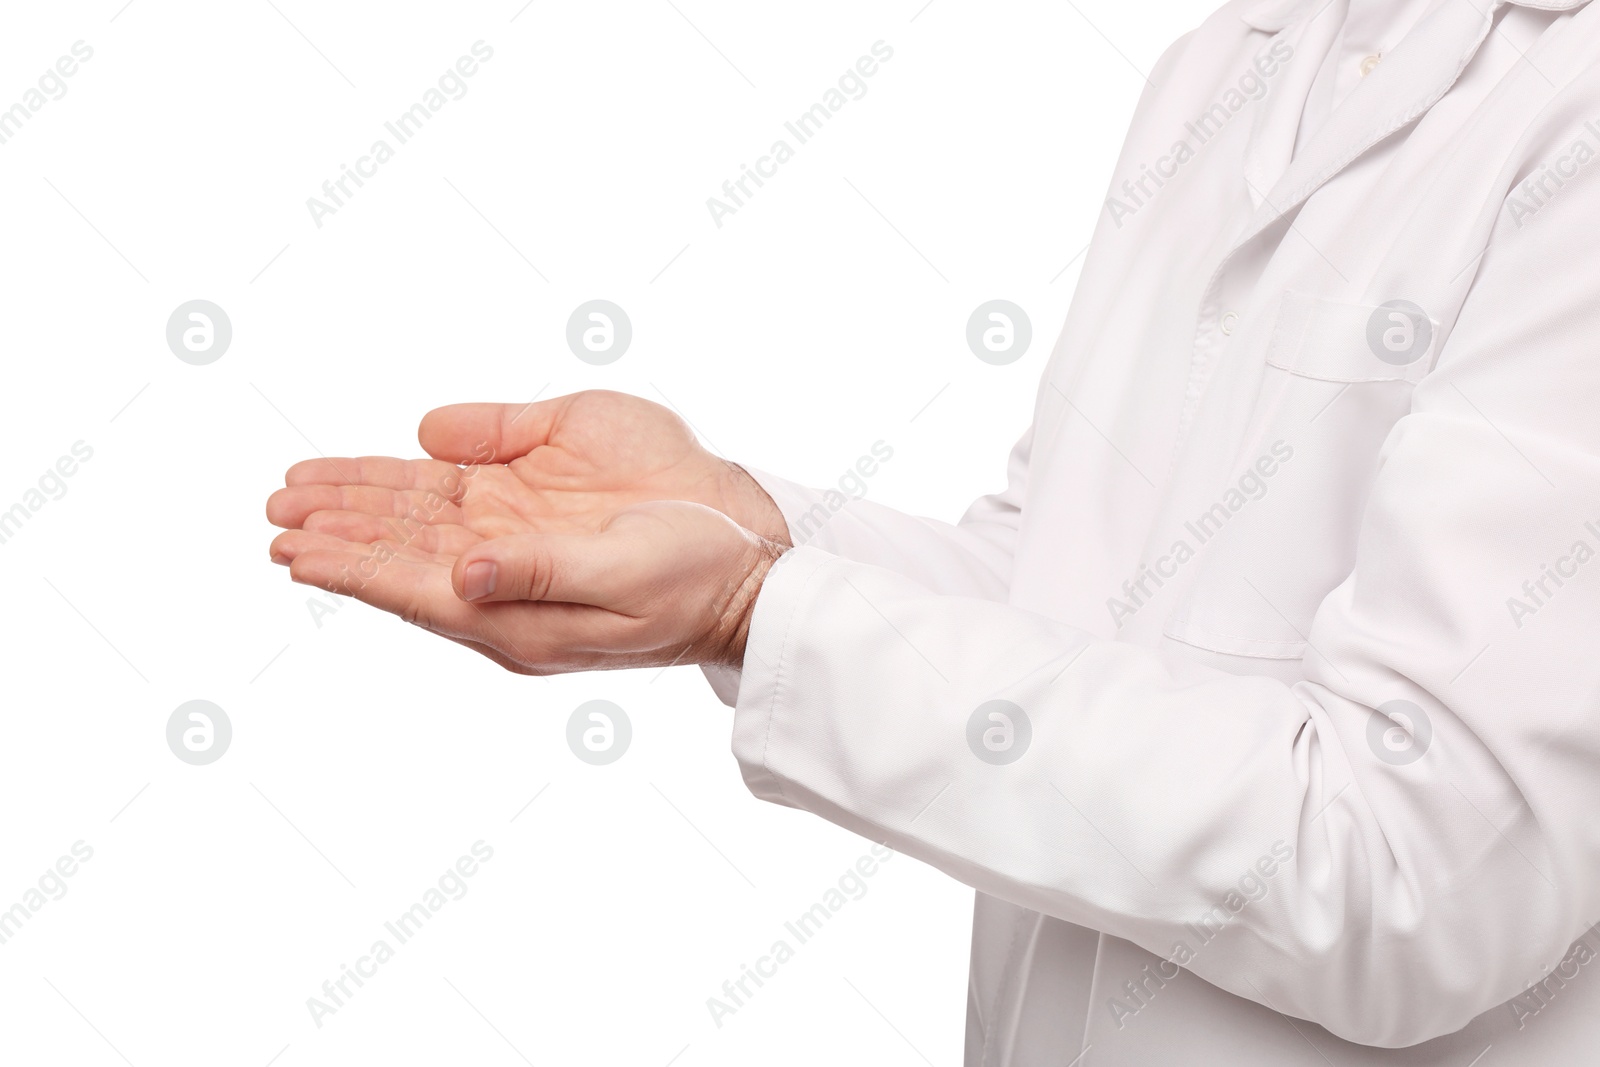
<point x="413" y="611"/>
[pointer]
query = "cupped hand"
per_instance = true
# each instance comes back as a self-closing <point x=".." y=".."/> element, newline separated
<point x="541" y="492"/>
<point x="556" y="466"/>
<point x="656" y="584"/>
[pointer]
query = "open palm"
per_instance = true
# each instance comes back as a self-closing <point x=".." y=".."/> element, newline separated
<point x="392" y="531"/>
<point x="558" y="466"/>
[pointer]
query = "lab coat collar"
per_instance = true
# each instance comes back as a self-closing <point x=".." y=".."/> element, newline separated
<point x="1271" y="16"/>
<point x="1405" y="85"/>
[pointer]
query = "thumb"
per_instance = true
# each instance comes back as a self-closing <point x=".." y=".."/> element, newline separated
<point x="596" y="569"/>
<point x="488" y="433"/>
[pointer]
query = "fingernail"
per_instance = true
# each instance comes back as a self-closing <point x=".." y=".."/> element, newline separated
<point x="280" y="560"/>
<point x="478" y="581"/>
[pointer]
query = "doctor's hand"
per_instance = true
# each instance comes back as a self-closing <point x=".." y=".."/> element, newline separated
<point x="656" y="584"/>
<point x="555" y="466"/>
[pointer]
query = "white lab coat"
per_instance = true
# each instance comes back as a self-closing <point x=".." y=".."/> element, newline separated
<point x="1298" y="595"/>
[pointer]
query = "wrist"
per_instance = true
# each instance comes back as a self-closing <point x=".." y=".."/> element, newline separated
<point x="745" y="502"/>
<point x="742" y="606"/>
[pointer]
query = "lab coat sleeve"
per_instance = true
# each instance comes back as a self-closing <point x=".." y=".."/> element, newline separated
<point x="1404" y="839"/>
<point x="971" y="558"/>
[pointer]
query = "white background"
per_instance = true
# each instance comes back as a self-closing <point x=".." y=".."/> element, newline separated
<point x="827" y="314"/>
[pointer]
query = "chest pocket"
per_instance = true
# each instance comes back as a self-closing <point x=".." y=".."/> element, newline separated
<point x="1337" y="377"/>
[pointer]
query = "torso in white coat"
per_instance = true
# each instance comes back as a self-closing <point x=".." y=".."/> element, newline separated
<point x="1288" y="578"/>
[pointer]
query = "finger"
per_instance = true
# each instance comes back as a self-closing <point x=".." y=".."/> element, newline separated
<point x="443" y="538"/>
<point x="418" y="592"/>
<point x="537" y="636"/>
<point x="290" y="544"/>
<point x="384" y="472"/>
<point x="489" y="433"/>
<point x="289" y="507"/>
<point x="595" y="569"/>
<point x="550" y="638"/>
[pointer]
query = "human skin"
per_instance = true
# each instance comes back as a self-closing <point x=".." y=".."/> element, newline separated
<point x="585" y="532"/>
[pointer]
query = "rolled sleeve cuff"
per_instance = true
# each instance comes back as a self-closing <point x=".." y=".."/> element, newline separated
<point x="760" y="683"/>
<point x="794" y="503"/>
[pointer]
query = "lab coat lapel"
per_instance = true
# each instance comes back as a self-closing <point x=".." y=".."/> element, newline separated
<point x="1277" y="116"/>
<point x="1405" y="85"/>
